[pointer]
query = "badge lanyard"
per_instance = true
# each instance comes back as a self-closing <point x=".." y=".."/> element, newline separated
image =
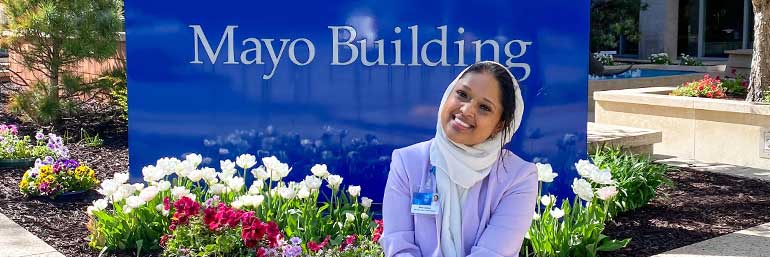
<point x="425" y="200"/>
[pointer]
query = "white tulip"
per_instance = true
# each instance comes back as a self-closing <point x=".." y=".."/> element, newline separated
<point x="246" y="161"/>
<point x="185" y="168"/>
<point x="100" y="204"/>
<point x="585" y="168"/>
<point x="354" y="191"/>
<point x="536" y="216"/>
<point x="179" y="192"/>
<point x="108" y="187"/>
<point x="256" y="187"/>
<point x="134" y="202"/>
<point x="583" y="189"/>
<point x="557" y="213"/>
<point x="235" y="183"/>
<point x="349" y="217"/>
<point x="195" y="175"/>
<point x="276" y="168"/>
<point x="313" y="182"/>
<point x="366" y="202"/>
<point x="286" y="193"/>
<point x="545" y="172"/>
<point x="364" y="216"/>
<point x="148" y="193"/>
<point x="194" y="159"/>
<point x="334" y="181"/>
<point x="605" y="193"/>
<point x="260" y="173"/>
<point x="303" y="193"/>
<point x="237" y="204"/>
<point x="164" y="185"/>
<point x="227" y="166"/>
<point x="138" y="186"/>
<point x="209" y="175"/>
<point x="121" y="178"/>
<point x="320" y="170"/>
<point x="152" y="173"/>
<point x="217" y="189"/>
<point x="603" y="177"/>
<point x="547" y="199"/>
<point x="167" y="165"/>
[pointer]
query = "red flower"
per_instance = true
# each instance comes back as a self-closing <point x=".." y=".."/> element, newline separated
<point x="164" y="239"/>
<point x="378" y="231"/>
<point x="315" y="247"/>
<point x="185" y="208"/>
<point x="734" y="71"/>
<point x="709" y="95"/>
<point x="745" y="83"/>
<point x="166" y="203"/>
<point x="273" y="234"/>
<point x="222" y="216"/>
<point x="261" y="252"/>
<point x="253" y="231"/>
<point x="349" y="241"/>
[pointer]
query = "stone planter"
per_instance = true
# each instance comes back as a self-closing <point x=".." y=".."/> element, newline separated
<point x="710" y="130"/>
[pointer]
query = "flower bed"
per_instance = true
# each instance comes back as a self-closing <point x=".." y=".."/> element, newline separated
<point x="190" y="210"/>
<point x="19" y="151"/>
<point x="52" y="178"/>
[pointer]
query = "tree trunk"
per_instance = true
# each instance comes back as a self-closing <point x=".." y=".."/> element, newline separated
<point x="759" y="78"/>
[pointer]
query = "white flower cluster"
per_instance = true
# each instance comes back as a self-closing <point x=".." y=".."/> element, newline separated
<point x="591" y="176"/>
<point x="227" y="180"/>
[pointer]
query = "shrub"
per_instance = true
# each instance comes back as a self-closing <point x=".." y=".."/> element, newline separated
<point x="690" y="61"/>
<point x="638" y="177"/>
<point x="660" y="58"/>
<point x="605" y="59"/>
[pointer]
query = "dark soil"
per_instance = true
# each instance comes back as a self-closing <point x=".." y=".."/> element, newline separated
<point x="700" y="205"/>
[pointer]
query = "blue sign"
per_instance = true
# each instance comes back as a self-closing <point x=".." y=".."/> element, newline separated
<point x="344" y="82"/>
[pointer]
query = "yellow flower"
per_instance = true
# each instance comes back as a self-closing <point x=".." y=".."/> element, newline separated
<point x="24" y="184"/>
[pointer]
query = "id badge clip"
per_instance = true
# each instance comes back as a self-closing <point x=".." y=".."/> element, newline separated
<point x="425" y="200"/>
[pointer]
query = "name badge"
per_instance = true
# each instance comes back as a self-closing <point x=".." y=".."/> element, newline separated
<point x="425" y="203"/>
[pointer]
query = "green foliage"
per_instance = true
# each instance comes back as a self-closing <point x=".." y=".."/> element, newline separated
<point x="690" y="61"/>
<point x="767" y="96"/>
<point x="52" y="36"/>
<point x="88" y="140"/>
<point x="14" y="146"/>
<point x="735" y="87"/>
<point x="612" y="18"/>
<point x="122" y="230"/>
<point x="638" y="177"/>
<point x="115" y="80"/>
<point x="195" y="239"/>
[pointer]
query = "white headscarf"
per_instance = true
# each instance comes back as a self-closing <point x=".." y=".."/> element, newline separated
<point x="459" y="167"/>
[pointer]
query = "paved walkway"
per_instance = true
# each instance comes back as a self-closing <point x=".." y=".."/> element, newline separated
<point x="16" y="241"/>
<point x="752" y="242"/>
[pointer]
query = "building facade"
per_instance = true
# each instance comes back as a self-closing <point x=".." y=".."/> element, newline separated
<point x="702" y="28"/>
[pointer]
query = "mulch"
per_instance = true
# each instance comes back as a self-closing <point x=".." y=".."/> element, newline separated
<point x="700" y="205"/>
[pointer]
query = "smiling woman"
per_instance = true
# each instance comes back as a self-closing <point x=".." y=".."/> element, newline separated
<point x="483" y="195"/>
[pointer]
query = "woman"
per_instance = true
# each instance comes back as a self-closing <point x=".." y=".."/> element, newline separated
<point x="461" y="193"/>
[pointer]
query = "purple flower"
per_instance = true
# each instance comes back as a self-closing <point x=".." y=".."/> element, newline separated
<point x="48" y="160"/>
<point x="10" y="149"/>
<point x="292" y="251"/>
<point x="295" y="240"/>
<point x="2" y="138"/>
<point x="39" y="135"/>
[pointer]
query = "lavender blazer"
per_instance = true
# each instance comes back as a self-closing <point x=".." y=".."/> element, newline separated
<point x="497" y="212"/>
